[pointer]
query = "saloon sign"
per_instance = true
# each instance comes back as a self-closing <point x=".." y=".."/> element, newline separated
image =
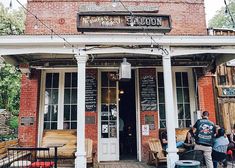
<point x="123" y="22"/>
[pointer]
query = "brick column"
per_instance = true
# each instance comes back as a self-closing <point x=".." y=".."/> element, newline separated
<point x="206" y="96"/>
<point x="29" y="101"/>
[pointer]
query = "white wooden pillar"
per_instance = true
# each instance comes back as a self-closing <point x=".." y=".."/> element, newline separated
<point x="172" y="156"/>
<point x="80" y="160"/>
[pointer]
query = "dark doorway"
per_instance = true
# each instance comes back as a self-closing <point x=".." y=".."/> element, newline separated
<point x="127" y="119"/>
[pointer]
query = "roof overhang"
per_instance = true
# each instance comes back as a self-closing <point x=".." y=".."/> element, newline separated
<point x="16" y="48"/>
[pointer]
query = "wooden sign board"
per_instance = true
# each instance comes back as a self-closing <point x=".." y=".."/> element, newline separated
<point x="123" y="22"/>
<point x="226" y="91"/>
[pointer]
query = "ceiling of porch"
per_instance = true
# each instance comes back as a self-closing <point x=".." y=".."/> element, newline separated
<point x="108" y="60"/>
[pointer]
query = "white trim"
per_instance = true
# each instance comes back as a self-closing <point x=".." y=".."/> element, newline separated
<point x="114" y="39"/>
<point x="192" y="96"/>
<point x="117" y="104"/>
<point x="138" y="113"/>
<point x="99" y="114"/>
<point x="60" y="116"/>
<point x="41" y="107"/>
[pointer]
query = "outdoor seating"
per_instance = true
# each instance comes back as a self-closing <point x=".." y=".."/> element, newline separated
<point x="65" y="143"/>
<point x="156" y="153"/>
<point x="5" y="156"/>
<point x="26" y="157"/>
<point x="193" y="155"/>
<point x="90" y="154"/>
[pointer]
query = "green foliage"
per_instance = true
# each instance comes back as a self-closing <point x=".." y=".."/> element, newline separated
<point x="9" y="88"/>
<point x="13" y="123"/>
<point x="11" y="21"/>
<point x="223" y="20"/>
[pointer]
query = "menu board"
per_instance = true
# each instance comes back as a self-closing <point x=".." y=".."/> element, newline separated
<point x="91" y="91"/>
<point x="148" y="93"/>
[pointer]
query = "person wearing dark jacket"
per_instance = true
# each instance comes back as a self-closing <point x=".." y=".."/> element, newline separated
<point x="204" y="131"/>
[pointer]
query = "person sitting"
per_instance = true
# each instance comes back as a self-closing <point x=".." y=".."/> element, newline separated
<point x="165" y="142"/>
<point x="219" y="149"/>
<point x="232" y="138"/>
<point x="189" y="140"/>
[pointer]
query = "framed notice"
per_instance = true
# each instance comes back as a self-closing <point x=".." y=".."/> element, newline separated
<point x="148" y="90"/>
<point x="149" y="119"/>
<point x="91" y="91"/>
<point x="145" y="130"/>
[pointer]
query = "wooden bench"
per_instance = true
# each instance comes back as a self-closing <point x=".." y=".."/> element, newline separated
<point x="66" y="137"/>
<point x="7" y="157"/>
<point x="69" y="140"/>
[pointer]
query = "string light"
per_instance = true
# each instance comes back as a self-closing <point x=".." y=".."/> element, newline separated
<point x="114" y="3"/>
<point x="164" y="51"/>
<point x="71" y="45"/>
<point x="10" y="5"/>
<point x="227" y="11"/>
<point x="52" y="32"/>
<point x="36" y="24"/>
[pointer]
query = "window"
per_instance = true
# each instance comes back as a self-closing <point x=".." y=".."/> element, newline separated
<point x="70" y="101"/>
<point x="183" y="100"/>
<point x="51" y="101"/>
<point x="222" y="79"/>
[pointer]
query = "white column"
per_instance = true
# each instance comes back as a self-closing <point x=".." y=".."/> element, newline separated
<point x="172" y="156"/>
<point x="80" y="161"/>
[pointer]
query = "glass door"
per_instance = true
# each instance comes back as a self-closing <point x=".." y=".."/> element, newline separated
<point x="109" y="138"/>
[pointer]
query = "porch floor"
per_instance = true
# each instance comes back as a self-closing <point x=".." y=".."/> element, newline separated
<point x="128" y="164"/>
<point x="123" y="164"/>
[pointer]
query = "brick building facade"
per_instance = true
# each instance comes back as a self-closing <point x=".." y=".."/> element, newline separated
<point x="169" y="77"/>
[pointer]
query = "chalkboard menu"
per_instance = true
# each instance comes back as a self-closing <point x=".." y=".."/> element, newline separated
<point x="148" y="93"/>
<point x="91" y="91"/>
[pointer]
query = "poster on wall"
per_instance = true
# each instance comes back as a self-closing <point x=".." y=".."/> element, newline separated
<point x="91" y="91"/>
<point x="145" y="130"/>
<point x="148" y="90"/>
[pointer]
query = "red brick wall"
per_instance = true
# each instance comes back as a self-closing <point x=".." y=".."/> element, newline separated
<point x="206" y="96"/>
<point x="188" y="16"/>
<point x="91" y="130"/>
<point x="152" y="133"/>
<point x="29" y="101"/>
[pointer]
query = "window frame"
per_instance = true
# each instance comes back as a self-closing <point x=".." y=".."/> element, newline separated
<point x="191" y="93"/>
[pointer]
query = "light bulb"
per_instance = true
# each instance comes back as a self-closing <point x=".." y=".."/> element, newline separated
<point x="10" y="5"/>
<point x="132" y="23"/>
<point x="114" y="3"/>
<point x="36" y="26"/>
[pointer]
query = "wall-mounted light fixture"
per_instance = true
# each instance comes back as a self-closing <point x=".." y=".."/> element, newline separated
<point x="125" y="70"/>
<point x="25" y="69"/>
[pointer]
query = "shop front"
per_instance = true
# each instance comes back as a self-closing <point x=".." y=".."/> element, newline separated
<point x="118" y="79"/>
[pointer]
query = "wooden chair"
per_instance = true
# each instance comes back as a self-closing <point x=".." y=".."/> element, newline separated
<point x="90" y="154"/>
<point x="156" y="153"/>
